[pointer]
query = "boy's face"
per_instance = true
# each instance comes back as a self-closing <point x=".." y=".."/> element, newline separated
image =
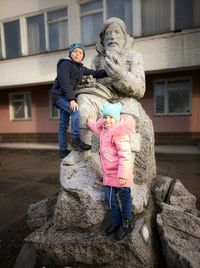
<point x="108" y="121"/>
<point x="77" y="55"/>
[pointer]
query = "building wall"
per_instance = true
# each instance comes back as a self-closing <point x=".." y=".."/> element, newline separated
<point x="168" y="55"/>
<point x="173" y="123"/>
<point x="173" y="129"/>
<point x="173" y="50"/>
<point x="40" y="122"/>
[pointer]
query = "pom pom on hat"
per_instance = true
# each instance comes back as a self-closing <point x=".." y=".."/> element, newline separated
<point x="112" y="109"/>
<point x="76" y="45"/>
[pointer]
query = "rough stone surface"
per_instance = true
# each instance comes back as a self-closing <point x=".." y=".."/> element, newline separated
<point x="78" y="210"/>
<point x="182" y="199"/>
<point x="161" y="188"/>
<point x="76" y="233"/>
<point x="180" y="236"/>
<point x="140" y="197"/>
<point x="40" y="212"/>
<point x="93" y="248"/>
<point x="27" y="257"/>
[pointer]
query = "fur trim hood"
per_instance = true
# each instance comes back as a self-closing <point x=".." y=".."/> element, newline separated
<point x="126" y="125"/>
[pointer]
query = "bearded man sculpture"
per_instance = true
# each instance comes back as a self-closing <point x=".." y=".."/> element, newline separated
<point x="125" y="81"/>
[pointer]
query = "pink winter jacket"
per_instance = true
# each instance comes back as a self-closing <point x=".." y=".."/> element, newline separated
<point x="115" y="150"/>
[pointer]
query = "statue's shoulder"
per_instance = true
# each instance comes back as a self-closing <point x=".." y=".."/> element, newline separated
<point x="134" y="55"/>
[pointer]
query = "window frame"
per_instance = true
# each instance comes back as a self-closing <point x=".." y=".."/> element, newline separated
<point x="23" y="28"/>
<point x="11" y="110"/>
<point x="166" y="103"/>
<point x="90" y="13"/>
<point x="46" y="27"/>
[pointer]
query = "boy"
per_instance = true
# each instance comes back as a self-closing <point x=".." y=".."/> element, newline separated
<point x="70" y="71"/>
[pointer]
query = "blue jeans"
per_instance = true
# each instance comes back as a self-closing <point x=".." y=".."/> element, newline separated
<point x="112" y="194"/>
<point x="65" y="113"/>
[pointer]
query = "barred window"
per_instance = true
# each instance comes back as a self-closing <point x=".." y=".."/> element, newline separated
<point x="20" y="106"/>
<point x="172" y="96"/>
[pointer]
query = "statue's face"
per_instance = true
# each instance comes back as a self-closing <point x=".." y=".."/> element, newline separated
<point x="114" y="38"/>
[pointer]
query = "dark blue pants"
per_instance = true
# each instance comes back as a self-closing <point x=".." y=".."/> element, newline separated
<point x="65" y="114"/>
<point x="113" y="196"/>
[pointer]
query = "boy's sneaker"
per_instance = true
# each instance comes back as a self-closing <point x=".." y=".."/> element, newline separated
<point x="80" y="145"/>
<point x="124" y="230"/>
<point x="112" y="229"/>
<point x="64" y="153"/>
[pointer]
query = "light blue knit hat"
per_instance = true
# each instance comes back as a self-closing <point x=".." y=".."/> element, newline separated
<point x="75" y="45"/>
<point x="112" y="109"/>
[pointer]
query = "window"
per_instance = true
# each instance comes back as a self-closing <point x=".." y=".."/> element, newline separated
<point x="36" y="34"/>
<point x="20" y="106"/>
<point x="187" y="13"/>
<point x="58" y="29"/>
<point x="172" y="97"/>
<point x="91" y="21"/>
<point x="54" y="112"/>
<point x="53" y="25"/>
<point x="93" y="14"/>
<point x="159" y="16"/>
<point x="12" y="39"/>
<point x="121" y="9"/>
<point x="155" y="16"/>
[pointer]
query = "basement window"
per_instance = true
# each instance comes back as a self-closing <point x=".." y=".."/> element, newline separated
<point x="173" y="96"/>
<point x="20" y="106"/>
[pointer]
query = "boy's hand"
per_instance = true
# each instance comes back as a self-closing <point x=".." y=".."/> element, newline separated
<point x="122" y="181"/>
<point x="73" y="105"/>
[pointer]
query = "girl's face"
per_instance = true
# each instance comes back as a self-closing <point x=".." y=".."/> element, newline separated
<point x="77" y="55"/>
<point x="108" y="121"/>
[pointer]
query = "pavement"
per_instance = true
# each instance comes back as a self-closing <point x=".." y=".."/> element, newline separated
<point x="29" y="172"/>
<point x="164" y="149"/>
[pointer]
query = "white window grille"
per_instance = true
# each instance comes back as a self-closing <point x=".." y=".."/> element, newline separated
<point x="173" y="96"/>
<point x="20" y="106"/>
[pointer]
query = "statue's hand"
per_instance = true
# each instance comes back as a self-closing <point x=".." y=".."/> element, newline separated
<point x="114" y="66"/>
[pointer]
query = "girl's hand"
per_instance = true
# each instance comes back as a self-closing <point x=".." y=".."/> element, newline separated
<point x="73" y="105"/>
<point x="90" y="119"/>
<point x="122" y="181"/>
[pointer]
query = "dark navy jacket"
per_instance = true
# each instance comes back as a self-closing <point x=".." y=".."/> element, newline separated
<point x="69" y="76"/>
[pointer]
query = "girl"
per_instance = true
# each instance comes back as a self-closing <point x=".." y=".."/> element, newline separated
<point x="114" y="132"/>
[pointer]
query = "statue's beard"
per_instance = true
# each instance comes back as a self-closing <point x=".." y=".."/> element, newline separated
<point x="114" y="49"/>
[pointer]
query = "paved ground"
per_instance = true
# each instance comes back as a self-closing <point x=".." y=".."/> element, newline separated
<point x="29" y="175"/>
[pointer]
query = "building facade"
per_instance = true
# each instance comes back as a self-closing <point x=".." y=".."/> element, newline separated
<point x="35" y="34"/>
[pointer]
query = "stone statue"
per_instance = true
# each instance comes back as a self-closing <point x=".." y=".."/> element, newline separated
<point x="69" y="228"/>
<point x="78" y="211"/>
<point x="125" y="82"/>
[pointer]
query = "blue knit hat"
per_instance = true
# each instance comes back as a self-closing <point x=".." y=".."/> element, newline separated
<point x="76" y="45"/>
<point x="112" y="109"/>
